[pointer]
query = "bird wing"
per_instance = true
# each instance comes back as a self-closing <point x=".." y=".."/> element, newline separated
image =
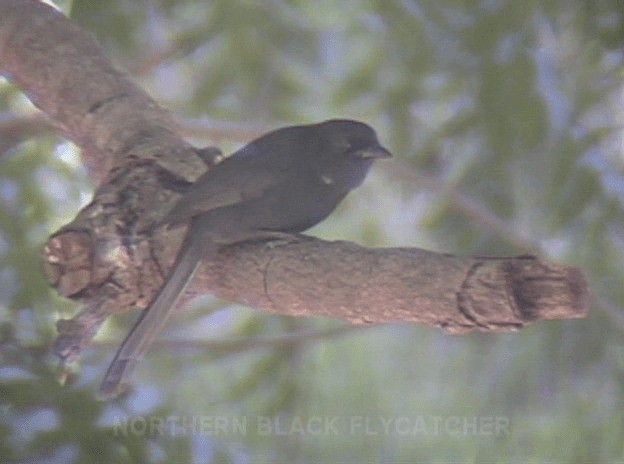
<point x="231" y="182"/>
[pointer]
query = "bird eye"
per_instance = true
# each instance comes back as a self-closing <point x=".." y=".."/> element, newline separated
<point x="343" y="145"/>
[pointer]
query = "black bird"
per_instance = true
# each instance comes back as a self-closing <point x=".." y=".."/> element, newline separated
<point x="286" y="181"/>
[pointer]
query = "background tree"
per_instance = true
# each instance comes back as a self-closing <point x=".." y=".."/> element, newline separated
<point x="504" y="117"/>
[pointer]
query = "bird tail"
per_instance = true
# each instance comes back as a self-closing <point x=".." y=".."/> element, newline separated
<point x="153" y="318"/>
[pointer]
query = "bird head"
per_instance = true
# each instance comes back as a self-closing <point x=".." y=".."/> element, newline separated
<point x="353" y="139"/>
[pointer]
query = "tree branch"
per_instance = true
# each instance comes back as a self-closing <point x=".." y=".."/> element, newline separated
<point x="131" y="148"/>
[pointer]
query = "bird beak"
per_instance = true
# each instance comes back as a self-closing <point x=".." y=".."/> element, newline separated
<point x="374" y="152"/>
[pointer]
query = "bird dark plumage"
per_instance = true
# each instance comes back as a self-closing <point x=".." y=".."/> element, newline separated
<point x="285" y="181"/>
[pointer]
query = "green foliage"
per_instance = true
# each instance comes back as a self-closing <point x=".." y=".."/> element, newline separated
<point x="504" y="118"/>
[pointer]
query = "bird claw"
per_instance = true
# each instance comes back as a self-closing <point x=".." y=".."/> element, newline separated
<point x="277" y="239"/>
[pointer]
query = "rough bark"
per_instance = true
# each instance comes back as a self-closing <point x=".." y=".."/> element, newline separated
<point x="141" y="165"/>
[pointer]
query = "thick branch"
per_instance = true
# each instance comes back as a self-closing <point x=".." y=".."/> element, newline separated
<point x="131" y="147"/>
<point x="65" y="73"/>
<point x="342" y="280"/>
